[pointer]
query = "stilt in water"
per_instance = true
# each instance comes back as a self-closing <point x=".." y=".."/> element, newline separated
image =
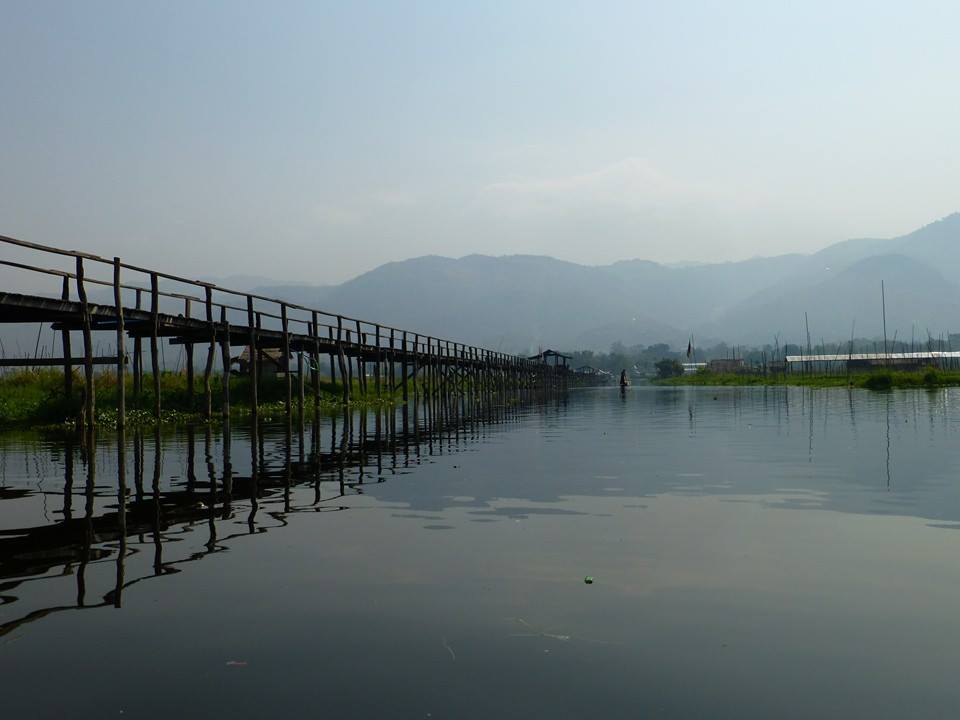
<point x="154" y="331"/>
<point x="121" y="379"/>
<point x="225" y="356"/>
<point x="90" y="391"/>
<point x="211" y="351"/>
<point x="286" y="357"/>
<point x="138" y="360"/>
<point x="188" y="352"/>
<point x="254" y="354"/>
<point x="65" y="341"/>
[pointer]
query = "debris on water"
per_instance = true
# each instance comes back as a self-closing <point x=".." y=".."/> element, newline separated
<point x="236" y="663"/>
<point x="536" y="632"/>
<point x="449" y="649"/>
<point x="588" y="580"/>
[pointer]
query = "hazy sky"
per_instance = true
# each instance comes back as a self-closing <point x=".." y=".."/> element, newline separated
<point x="311" y="141"/>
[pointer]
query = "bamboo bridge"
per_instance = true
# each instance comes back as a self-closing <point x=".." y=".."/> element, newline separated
<point x="377" y="358"/>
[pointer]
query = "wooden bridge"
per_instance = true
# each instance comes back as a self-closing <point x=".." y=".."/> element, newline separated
<point x="206" y="315"/>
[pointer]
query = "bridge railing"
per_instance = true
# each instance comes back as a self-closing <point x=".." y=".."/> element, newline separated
<point x="208" y="302"/>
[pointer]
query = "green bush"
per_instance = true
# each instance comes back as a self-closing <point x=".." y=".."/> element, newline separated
<point x="931" y="378"/>
<point x="882" y="380"/>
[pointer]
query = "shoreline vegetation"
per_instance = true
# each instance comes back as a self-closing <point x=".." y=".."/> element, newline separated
<point x="35" y="399"/>
<point x="879" y="379"/>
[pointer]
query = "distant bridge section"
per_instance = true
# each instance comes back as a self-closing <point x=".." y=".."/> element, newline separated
<point x="217" y="318"/>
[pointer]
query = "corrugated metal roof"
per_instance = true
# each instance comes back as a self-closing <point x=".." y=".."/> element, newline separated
<point x="844" y="357"/>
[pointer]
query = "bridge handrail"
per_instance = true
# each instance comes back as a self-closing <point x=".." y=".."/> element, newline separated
<point x="417" y="341"/>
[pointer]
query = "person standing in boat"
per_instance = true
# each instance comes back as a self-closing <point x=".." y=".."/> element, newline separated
<point x="623" y="378"/>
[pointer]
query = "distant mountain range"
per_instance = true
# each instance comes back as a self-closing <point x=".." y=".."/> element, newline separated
<point x="520" y="302"/>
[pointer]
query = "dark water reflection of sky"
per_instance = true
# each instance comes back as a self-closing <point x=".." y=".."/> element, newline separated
<point x="756" y="552"/>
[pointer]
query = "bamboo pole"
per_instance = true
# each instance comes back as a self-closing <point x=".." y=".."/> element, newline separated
<point x="211" y="351"/>
<point x="188" y="351"/>
<point x="89" y="389"/>
<point x="154" y="330"/>
<point x="65" y="341"/>
<point x="138" y="359"/>
<point x="254" y="353"/>
<point x="345" y="374"/>
<point x="225" y="356"/>
<point x="300" y="381"/>
<point x="315" y="360"/>
<point x="403" y="365"/>
<point x="333" y="369"/>
<point x="121" y="379"/>
<point x="286" y="356"/>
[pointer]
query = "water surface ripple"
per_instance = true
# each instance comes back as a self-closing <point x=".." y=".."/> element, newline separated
<point x="755" y="553"/>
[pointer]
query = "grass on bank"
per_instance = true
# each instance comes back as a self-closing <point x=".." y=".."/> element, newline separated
<point x="876" y="380"/>
<point x="36" y="397"/>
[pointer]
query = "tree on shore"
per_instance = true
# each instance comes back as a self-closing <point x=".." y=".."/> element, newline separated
<point x="668" y="368"/>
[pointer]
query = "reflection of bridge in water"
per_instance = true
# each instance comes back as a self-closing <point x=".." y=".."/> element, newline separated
<point x="333" y="459"/>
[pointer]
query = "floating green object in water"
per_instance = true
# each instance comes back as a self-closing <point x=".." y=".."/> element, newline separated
<point x="588" y="579"/>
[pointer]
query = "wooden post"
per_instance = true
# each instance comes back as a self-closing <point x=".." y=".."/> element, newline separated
<point x="65" y="341"/>
<point x="138" y="360"/>
<point x="211" y="351"/>
<point x="254" y="353"/>
<point x="225" y="355"/>
<point x="403" y="365"/>
<point x="260" y="356"/>
<point x="344" y="366"/>
<point x="121" y="379"/>
<point x="188" y="349"/>
<point x="376" y="364"/>
<point x="392" y="369"/>
<point x="361" y="365"/>
<point x="89" y="389"/>
<point x="154" y="330"/>
<point x="349" y="366"/>
<point x="300" y="381"/>
<point x="315" y="361"/>
<point x="286" y="356"/>
<point x="416" y="350"/>
<point x="333" y="369"/>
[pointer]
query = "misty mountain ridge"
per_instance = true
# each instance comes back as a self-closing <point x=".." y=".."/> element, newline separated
<point x="522" y="302"/>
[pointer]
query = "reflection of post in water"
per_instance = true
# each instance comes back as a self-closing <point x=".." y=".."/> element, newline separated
<point x="261" y="445"/>
<point x="255" y="448"/>
<point x="191" y="459"/>
<point x="361" y="441"/>
<point x="344" y="446"/>
<point x="301" y="442"/>
<point x="888" y="442"/>
<point x="91" y="458"/>
<point x="377" y="444"/>
<point x="212" y="479"/>
<point x="121" y="512"/>
<point x="227" y="472"/>
<point x="68" y="479"/>
<point x="393" y="439"/>
<point x="138" y="464"/>
<point x="810" y="431"/>
<point x="155" y="487"/>
<point x="287" y="469"/>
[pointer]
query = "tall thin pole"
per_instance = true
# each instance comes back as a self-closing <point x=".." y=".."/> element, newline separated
<point x="883" y="300"/>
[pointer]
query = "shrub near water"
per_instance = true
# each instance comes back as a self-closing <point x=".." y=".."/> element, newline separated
<point x="35" y="397"/>
<point x="879" y="381"/>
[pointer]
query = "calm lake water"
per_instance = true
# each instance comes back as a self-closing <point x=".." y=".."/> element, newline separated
<point x="756" y="553"/>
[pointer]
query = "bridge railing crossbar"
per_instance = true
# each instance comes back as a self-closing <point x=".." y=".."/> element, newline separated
<point x="297" y="329"/>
